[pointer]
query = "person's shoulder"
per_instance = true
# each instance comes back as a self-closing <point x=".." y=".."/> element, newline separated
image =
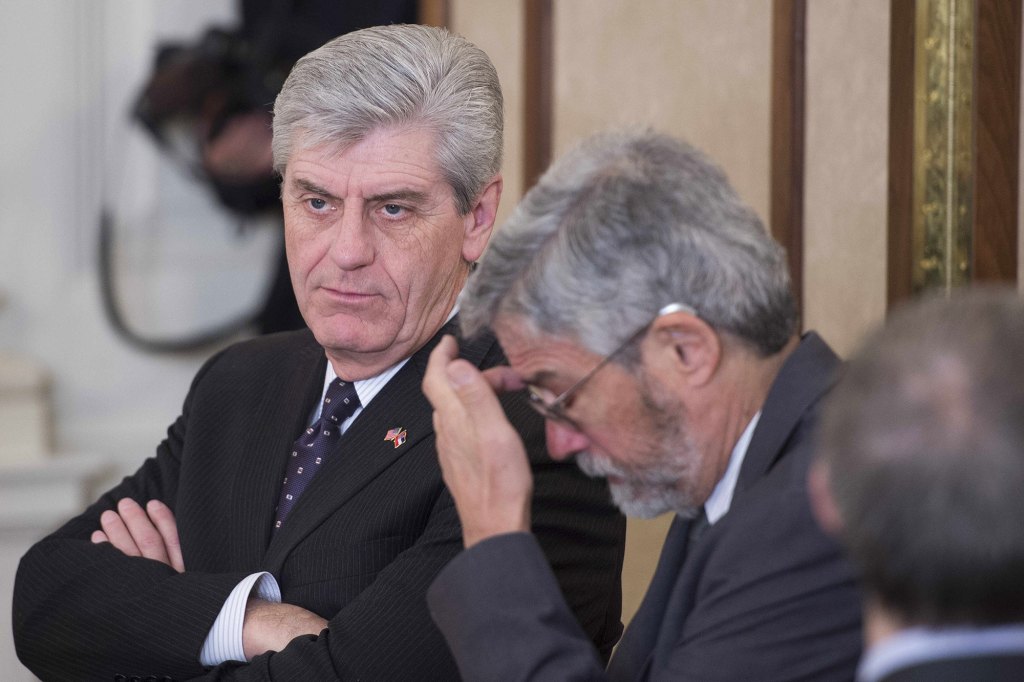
<point x="280" y="351"/>
<point x="274" y="345"/>
<point x="483" y="350"/>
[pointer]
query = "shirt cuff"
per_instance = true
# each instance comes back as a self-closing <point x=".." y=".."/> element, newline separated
<point x="224" y="642"/>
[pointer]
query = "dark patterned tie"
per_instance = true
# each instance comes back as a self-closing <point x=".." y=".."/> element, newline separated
<point x="311" y="449"/>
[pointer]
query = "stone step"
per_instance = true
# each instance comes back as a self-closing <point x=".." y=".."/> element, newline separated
<point x="26" y="420"/>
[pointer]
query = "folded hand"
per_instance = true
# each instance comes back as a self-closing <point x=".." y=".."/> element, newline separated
<point x="151" y="532"/>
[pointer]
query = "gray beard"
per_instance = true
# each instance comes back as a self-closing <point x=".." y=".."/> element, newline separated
<point x="665" y="481"/>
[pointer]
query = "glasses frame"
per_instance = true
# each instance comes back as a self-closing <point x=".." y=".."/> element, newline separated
<point x="555" y="410"/>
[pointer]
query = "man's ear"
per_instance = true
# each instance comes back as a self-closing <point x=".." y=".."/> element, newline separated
<point x="479" y="222"/>
<point x="823" y="504"/>
<point x="687" y="346"/>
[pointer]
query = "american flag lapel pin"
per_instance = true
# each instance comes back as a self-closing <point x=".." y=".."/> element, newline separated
<point x="396" y="435"/>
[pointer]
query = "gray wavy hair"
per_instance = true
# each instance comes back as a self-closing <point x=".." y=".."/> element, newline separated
<point x="394" y="76"/>
<point x="621" y="226"/>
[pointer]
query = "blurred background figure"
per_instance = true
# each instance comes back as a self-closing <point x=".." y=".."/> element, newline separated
<point x="208" y="105"/>
<point x="921" y="475"/>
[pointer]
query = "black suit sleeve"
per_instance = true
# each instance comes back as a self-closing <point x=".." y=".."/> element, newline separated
<point x="87" y="611"/>
<point x="766" y="596"/>
<point x="502" y="612"/>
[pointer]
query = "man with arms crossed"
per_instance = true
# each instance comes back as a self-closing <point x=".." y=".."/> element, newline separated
<point x="389" y="144"/>
<point x="649" y="315"/>
<point x="921" y="473"/>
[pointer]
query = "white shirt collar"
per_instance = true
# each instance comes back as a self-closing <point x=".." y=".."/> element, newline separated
<point x="919" y="645"/>
<point x="366" y="389"/>
<point x="721" y="497"/>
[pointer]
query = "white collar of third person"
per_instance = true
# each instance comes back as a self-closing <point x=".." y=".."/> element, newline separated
<point x="919" y="645"/>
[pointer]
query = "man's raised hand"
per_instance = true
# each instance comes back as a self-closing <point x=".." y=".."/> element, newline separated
<point x="482" y="457"/>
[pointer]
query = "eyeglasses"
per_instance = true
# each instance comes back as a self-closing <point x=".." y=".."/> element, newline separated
<point x="554" y="409"/>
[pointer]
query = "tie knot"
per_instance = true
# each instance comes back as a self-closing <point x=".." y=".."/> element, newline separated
<point x="340" y="401"/>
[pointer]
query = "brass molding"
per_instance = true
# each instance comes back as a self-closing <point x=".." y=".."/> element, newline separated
<point x="943" y="144"/>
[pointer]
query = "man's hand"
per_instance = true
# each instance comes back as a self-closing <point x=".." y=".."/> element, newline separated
<point x="482" y="458"/>
<point x="151" y="532"/>
<point x="240" y="151"/>
<point x="269" y="626"/>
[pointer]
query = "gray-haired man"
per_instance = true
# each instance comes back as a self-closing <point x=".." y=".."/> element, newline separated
<point x="921" y="476"/>
<point x="649" y="316"/>
<point x="388" y="141"/>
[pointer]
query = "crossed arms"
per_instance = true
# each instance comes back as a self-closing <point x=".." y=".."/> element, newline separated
<point x="88" y="610"/>
<point x="153" y="533"/>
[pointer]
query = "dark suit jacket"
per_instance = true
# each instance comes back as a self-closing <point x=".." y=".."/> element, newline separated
<point x="359" y="548"/>
<point x="1003" y="668"/>
<point x="763" y="595"/>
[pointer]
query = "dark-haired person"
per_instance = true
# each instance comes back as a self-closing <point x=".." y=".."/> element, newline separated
<point x="920" y="475"/>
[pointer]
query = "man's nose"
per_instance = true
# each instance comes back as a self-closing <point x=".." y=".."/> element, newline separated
<point x="564" y="441"/>
<point x="352" y="240"/>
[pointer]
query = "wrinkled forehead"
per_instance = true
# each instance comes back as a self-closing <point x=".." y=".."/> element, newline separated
<point x="399" y="155"/>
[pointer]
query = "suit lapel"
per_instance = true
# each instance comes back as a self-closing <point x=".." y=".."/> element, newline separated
<point x="633" y="656"/>
<point x="805" y="376"/>
<point x="362" y="452"/>
<point x="679" y="602"/>
<point x="257" y="481"/>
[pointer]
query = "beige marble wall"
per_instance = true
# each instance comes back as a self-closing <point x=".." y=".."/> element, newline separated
<point x="846" y="168"/>
<point x="699" y="69"/>
<point x="496" y="26"/>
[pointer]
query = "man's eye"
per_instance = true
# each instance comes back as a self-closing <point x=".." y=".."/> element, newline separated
<point x="393" y="210"/>
<point x="318" y="204"/>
